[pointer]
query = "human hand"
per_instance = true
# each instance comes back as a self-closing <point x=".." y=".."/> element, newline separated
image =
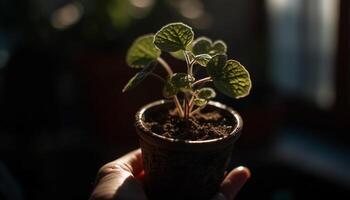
<point x="122" y="179"/>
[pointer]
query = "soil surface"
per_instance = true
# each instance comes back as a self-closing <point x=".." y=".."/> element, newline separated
<point x="203" y="125"/>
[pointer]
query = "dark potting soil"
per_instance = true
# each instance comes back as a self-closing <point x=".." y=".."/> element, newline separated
<point x="204" y="125"/>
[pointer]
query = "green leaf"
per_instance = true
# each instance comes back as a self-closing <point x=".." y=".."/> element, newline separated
<point x="214" y="66"/>
<point x="181" y="55"/>
<point x="177" y="82"/>
<point x="174" y="37"/>
<point x="142" y="52"/>
<point x="206" y="93"/>
<point x="200" y="102"/>
<point x="204" y="45"/>
<point x="182" y="81"/>
<point x="201" y="45"/>
<point x="169" y="89"/>
<point x="202" y="59"/>
<point x="218" y="47"/>
<point x="139" y="77"/>
<point x="178" y="54"/>
<point x="229" y="77"/>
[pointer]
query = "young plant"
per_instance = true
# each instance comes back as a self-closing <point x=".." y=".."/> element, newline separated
<point x="228" y="76"/>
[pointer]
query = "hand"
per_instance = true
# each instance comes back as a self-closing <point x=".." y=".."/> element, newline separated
<point x="121" y="179"/>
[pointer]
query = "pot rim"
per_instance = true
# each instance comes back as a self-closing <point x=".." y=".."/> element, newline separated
<point x="234" y="133"/>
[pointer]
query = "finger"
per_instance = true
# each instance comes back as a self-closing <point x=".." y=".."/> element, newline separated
<point x="129" y="164"/>
<point x="233" y="182"/>
<point x="132" y="161"/>
<point x="116" y="180"/>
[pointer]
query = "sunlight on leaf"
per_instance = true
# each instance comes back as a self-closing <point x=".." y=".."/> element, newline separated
<point x="229" y="77"/>
<point x="178" y="82"/>
<point x="214" y="66"/>
<point x="206" y="93"/>
<point x="202" y="59"/>
<point x="200" y="102"/>
<point x="142" y="52"/>
<point x="218" y="47"/>
<point x="182" y="81"/>
<point x="178" y="54"/>
<point x="201" y="45"/>
<point x="204" y="45"/>
<point x="174" y="37"/>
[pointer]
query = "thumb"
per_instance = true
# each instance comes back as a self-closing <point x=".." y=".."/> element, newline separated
<point x="232" y="183"/>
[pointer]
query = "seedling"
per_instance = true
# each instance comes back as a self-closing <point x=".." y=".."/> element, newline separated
<point x="189" y="96"/>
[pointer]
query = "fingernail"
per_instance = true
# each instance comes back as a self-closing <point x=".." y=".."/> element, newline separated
<point x="244" y="169"/>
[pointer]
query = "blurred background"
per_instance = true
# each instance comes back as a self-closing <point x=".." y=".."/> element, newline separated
<point x="63" y="115"/>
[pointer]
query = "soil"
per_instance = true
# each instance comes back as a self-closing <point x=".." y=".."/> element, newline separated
<point x="204" y="125"/>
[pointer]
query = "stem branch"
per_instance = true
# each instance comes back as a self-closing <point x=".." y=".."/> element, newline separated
<point x="196" y="110"/>
<point x="187" y="111"/>
<point x="202" y="81"/>
<point x="178" y="106"/>
<point x="165" y="66"/>
<point x="170" y="73"/>
<point x="191" y="103"/>
<point x="191" y="68"/>
<point x="187" y="62"/>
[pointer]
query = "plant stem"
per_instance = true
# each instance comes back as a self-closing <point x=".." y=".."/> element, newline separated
<point x="189" y="64"/>
<point x="187" y="102"/>
<point x="165" y="66"/>
<point x="202" y="81"/>
<point x="178" y="106"/>
<point x="187" y="111"/>
<point x="196" y="110"/>
<point x="158" y="77"/>
<point x="170" y="72"/>
<point x="187" y="61"/>
<point x="191" y="104"/>
<point x="191" y="68"/>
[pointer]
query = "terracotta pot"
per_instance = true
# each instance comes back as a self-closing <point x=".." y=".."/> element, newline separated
<point x="177" y="169"/>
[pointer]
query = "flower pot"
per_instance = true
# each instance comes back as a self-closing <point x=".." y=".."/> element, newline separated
<point x="178" y="169"/>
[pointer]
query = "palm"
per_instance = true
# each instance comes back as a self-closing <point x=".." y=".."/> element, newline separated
<point x="121" y="179"/>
